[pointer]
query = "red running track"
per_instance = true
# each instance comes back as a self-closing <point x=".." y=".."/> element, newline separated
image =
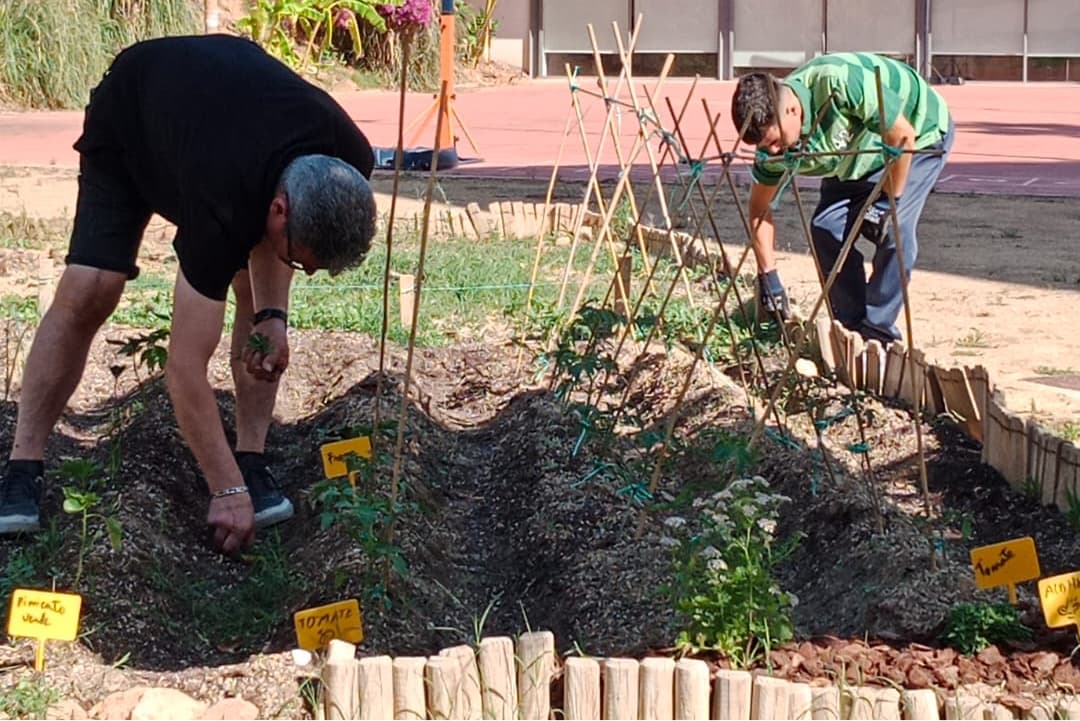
<point x="1012" y="139"/>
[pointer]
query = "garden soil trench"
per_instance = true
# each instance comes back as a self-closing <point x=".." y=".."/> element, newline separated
<point x="501" y="517"/>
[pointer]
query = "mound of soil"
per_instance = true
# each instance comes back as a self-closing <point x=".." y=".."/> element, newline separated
<point x="512" y="521"/>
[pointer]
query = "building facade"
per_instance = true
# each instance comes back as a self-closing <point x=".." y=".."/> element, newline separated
<point x="947" y="40"/>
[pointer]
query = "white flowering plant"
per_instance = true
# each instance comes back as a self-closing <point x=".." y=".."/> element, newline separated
<point x="724" y="585"/>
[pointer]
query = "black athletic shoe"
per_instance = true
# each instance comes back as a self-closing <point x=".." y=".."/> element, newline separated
<point x="20" y="498"/>
<point x="271" y="505"/>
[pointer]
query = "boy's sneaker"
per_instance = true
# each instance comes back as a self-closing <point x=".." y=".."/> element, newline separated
<point x="271" y="505"/>
<point x="20" y="497"/>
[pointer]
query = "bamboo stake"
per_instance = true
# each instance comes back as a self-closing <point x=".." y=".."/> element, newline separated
<point x="845" y="250"/>
<point x="540" y="233"/>
<point x="650" y="271"/>
<point x="399" y="156"/>
<point x="620" y="187"/>
<point x="726" y="175"/>
<point x="917" y="378"/>
<point x="403" y="414"/>
<point x="594" y="164"/>
<point x="639" y="113"/>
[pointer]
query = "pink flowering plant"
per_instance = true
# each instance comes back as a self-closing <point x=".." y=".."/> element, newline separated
<point x="408" y="16"/>
<point x="301" y="31"/>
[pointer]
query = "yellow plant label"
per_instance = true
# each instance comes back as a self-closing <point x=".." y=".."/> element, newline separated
<point x="1060" y="596"/>
<point x="316" y="627"/>
<point x="334" y="455"/>
<point x="1005" y="564"/>
<point x="44" y="615"/>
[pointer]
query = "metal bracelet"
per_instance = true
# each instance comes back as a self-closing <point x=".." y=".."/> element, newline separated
<point x="229" y="491"/>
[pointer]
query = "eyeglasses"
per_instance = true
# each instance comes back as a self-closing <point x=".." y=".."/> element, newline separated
<point x="294" y="264"/>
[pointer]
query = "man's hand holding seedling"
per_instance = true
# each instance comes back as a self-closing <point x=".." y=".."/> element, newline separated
<point x="266" y="354"/>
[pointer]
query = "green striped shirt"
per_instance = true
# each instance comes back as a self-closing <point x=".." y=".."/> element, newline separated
<point x="842" y="89"/>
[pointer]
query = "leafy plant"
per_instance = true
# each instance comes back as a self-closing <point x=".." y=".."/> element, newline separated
<point x="19" y="317"/>
<point x="29" y="563"/>
<point x="477" y="27"/>
<point x="578" y="356"/>
<point x="724" y="588"/>
<point x="259" y="343"/>
<point x="147" y="350"/>
<point x="81" y="497"/>
<point x="299" y="32"/>
<point x="971" y="627"/>
<point x="364" y="514"/>
<point x="266" y="595"/>
<point x="29" y="698"/>
<point x="1072" y="511"/>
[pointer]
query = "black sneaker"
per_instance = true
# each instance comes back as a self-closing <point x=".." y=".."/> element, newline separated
<point x="271" y="505"/>
<point x="20" y="498"/>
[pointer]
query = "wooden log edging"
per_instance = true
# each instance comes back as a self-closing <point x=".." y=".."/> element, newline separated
<point x="520" y="678"/>
<point x="1032" y="459"/>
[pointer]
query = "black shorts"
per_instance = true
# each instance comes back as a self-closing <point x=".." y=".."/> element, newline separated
<point x="110" y="216"/>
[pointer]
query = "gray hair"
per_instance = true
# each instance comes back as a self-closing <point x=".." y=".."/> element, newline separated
<point x="331" y="210"/>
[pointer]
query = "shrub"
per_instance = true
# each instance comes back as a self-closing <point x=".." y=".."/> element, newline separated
<point x="724" y="587"/>
<point x="53" y="51"/>
<point x="971" y="627"/>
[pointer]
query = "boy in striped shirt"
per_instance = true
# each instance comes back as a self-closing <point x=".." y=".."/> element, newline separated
<point x="830" y="105"/>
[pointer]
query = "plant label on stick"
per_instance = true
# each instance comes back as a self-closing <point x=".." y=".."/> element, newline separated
<point x="1005" y="564"/>
<point x="44" y="615"/>
<point x="335" y="456"/>
<point x="316" y="627"/>
<point x="1060" y="597"/>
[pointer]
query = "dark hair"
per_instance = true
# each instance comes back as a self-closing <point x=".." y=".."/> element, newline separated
<point x="756" y="100"/>
<point x="331" y="210"/>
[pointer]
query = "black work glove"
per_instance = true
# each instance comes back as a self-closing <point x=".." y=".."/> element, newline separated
<point x="772" y="297"/>
<point x="876" y="219"/>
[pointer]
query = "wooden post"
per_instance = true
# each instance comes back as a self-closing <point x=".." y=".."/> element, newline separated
<point x="979" y="380"/>
<point x="856" y="358"/>
<point x="873" y="702"/>
<point x="498" y="678"/>
<point x="620" y="688"/>
<point x="469" y="705"/>
<point x="442" y="675"/>
<point x="825" y="703"/>
<point x="691" y="689"/>
<point x="769" y="699"/>
<point x="920" y="704"/>
<point x="581" y="688"/>
<point x="732" y="695"/>
<point x="800" y="702"/>
<point x="895" y="356"/>
<point x="339" y="678"/>
<point x="958" y="399"/>
<point x="962" y="704"/>
<point x="875" y="366"/>
<point x="656" y="690"/>
<point x="406" y="299"/>
<point x="376" y="687"/>
<point x="536" y="663"/>
<point x="839" y="339"/>
<point x="410" y="700"/>
<point x="823" y="326"/>
<point x="1068" y="474"/>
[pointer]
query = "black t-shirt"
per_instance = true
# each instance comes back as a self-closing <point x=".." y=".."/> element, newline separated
<point x="205" y="126"/>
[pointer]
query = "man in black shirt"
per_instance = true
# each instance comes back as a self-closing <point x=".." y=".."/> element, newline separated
<point x="263" y="174"/>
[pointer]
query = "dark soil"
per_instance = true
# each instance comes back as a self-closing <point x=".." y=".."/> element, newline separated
<point x="506" y="528"/>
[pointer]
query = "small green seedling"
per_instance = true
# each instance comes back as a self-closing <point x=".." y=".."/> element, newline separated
<point x="259" y="343"/>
